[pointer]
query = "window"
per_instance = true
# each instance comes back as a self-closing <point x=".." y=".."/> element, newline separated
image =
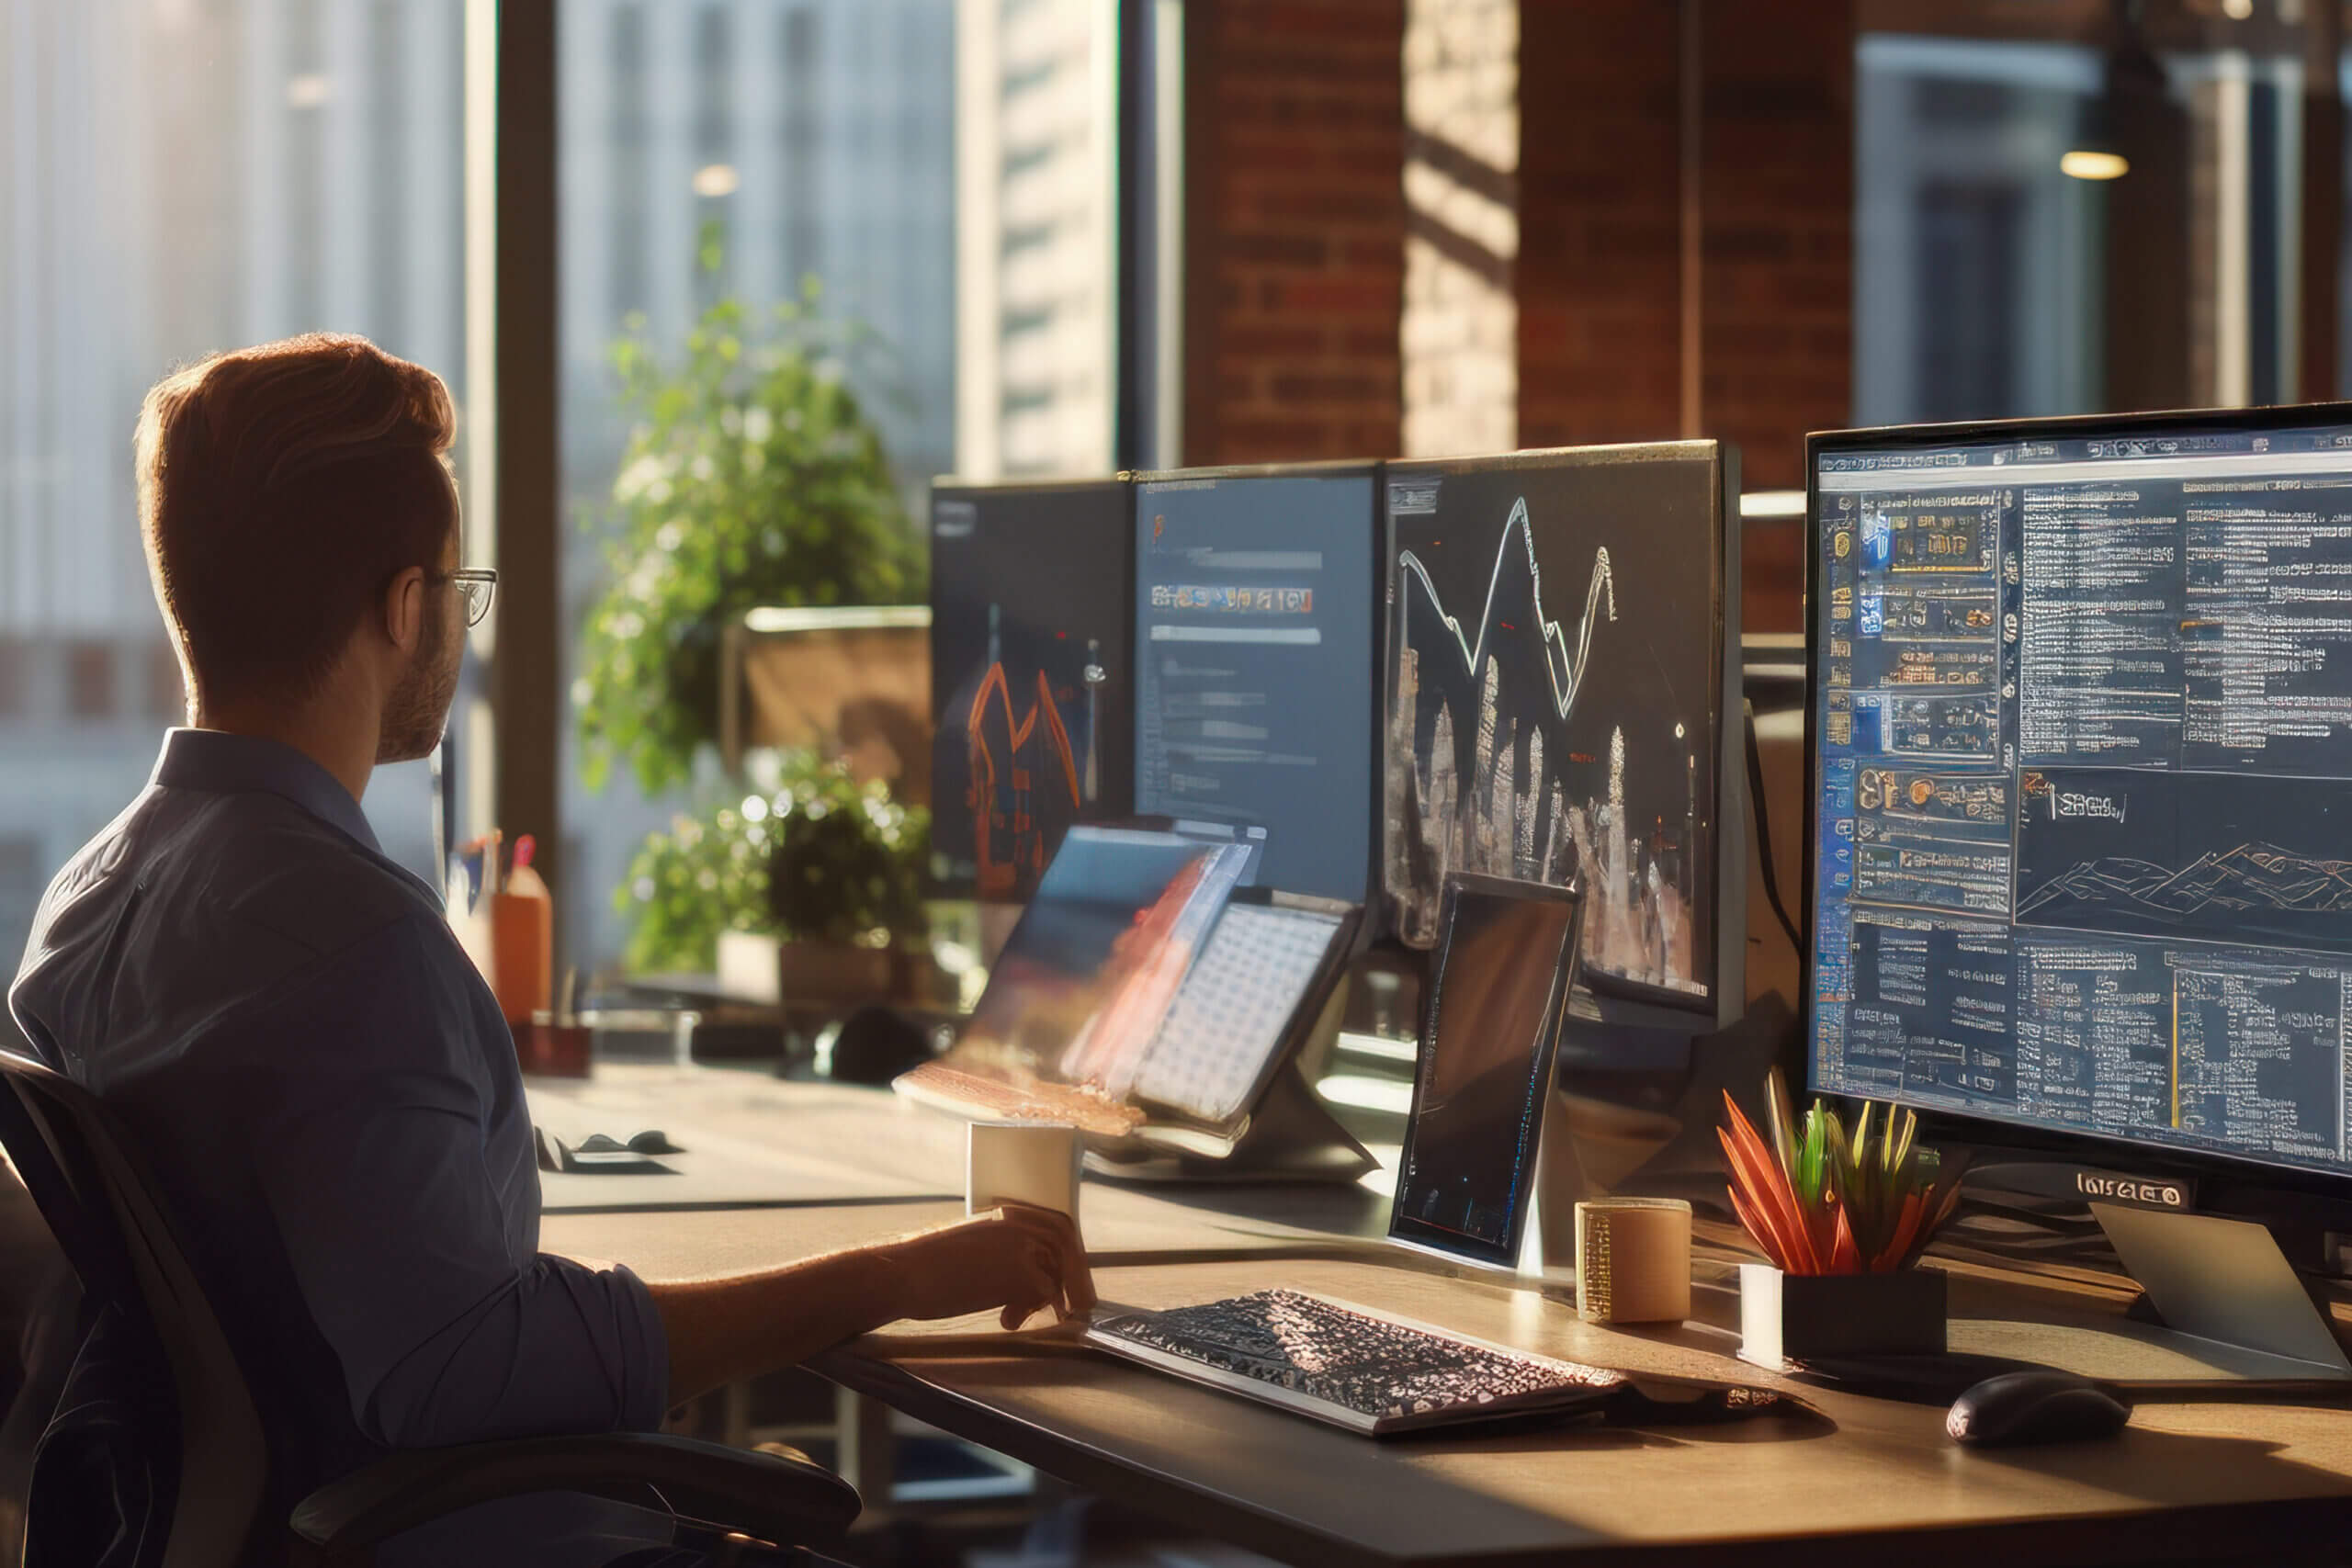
<point x="89" y="680"/>
<point x="941" y="170"/>
<point x="1997" y="274"/>
<point x="185" y="175"/>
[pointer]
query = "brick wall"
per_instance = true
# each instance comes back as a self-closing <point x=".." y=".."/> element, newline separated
<point x="1600" y="270"/>
<point x="1460" y="330"/>
<point x="1294" y="224"/>
<point x="1777" y="351"/>
<point x="1599" y="330"/>
<point x="1298" y="231"/>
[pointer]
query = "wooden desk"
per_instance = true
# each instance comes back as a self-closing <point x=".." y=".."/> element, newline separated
<point x="759" y="1151"/>
<point x="2186" y="1482"/>
<point x="2238" y="1482"/>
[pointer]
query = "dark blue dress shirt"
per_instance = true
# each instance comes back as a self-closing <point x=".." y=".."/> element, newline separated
<point x="326" y="1088"/>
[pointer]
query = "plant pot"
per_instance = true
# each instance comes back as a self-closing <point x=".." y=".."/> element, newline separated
<point x="835" y="974"/>
<point x="1791" y="1317"/>
<point x="749" y="967"/>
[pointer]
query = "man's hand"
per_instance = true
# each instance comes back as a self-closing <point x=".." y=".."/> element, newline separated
<point x="1012" y="1261"/>
<point x="1016" y="1258"/>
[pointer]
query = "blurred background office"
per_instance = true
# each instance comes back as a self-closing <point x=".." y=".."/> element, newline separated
<point x="1059" y="237"/>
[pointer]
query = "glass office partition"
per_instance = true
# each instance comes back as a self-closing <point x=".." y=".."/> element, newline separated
<point x="178" y="176"/>
<point x="2075" y="206"/>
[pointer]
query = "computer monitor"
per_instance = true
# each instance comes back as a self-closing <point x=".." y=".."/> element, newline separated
<point x="2080" y="847"/>
<point x="1029" y="630"/>
<point x="1506" y="959"/>
<point x="1255" y="593"/>
<point x="1561" y="672"/>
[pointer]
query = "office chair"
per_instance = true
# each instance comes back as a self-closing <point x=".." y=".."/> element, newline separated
<point x="210" y="1483"/>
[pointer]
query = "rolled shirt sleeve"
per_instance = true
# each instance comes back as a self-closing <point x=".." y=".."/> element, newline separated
<point x="395" y="1163"/>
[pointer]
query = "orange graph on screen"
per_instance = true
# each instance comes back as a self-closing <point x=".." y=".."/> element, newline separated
<point x="1021" y="766"/>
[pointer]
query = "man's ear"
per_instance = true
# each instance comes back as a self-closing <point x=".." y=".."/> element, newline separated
<point x="404" y="610"/>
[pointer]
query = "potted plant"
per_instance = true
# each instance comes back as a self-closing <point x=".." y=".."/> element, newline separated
<point x="845" y="888"/>
<point x="1843" y="1220"/>
<point x="753" y="476"/>
<point x="806" y="889"/>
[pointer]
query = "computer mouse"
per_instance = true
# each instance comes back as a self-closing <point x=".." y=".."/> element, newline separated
<point x="2019" y="1409"/>
<point x="653" y="1141"/>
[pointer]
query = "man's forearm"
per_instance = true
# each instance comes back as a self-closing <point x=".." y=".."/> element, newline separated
<point x="722" y="1331"/>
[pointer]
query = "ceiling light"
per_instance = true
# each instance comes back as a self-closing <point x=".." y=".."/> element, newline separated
<point x="2237" y="10"/>
<point x="308" y="91"/>
<point x="2083" y="164"/>
<point x="717" y="180"/>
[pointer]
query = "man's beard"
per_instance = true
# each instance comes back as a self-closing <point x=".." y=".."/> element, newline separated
<point x="418" y="708"/>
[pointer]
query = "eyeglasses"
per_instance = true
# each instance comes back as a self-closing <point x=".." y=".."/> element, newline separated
<point x="477" y="586"/>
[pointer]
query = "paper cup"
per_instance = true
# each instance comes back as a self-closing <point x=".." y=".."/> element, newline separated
<point x="1036" y="1162"/>
<point x="1633" y="1259"/>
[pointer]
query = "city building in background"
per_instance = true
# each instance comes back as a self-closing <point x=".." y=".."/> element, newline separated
<point x="942" y="169"/>
<point x="178" y="176"/>
<point x="1036" y="237"/>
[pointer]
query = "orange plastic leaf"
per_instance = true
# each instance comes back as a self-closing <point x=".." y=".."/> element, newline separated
<point x="1758" y="1231"/>
<point x="1906" y="1225"/>
<point x="1845" y="1258"/>
<point x="1753" y="1166"/>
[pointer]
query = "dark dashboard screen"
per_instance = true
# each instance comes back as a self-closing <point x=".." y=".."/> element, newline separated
<point x="1504" y="956"/>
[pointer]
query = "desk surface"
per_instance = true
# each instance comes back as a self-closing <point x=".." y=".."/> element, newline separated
<point x="2186" y="1481"/>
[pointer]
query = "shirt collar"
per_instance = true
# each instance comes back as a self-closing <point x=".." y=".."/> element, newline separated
<point x="222" y="763"/>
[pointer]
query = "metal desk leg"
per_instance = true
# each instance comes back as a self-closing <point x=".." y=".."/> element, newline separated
<point x="867" y="1452"/>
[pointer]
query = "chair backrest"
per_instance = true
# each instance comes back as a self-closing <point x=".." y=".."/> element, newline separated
<point x="97" y="1198"/>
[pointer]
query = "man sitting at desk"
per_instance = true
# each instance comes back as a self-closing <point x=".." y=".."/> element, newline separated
<point x="283" y="1018"/>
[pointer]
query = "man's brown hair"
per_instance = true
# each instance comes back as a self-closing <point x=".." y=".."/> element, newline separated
<point x="281" y="488"/>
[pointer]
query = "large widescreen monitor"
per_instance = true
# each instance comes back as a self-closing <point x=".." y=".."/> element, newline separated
<point x="2081" y="836"/>
<point x="1562" y="632"/>
<point x="1255" y="679"/>
<point x="1029" y="631"/>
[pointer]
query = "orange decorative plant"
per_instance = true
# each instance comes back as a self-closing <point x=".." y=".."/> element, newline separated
<point x="1817" y="1202"/>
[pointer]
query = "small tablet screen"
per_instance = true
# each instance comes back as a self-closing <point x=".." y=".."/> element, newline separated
<point x="1501" y="977"/>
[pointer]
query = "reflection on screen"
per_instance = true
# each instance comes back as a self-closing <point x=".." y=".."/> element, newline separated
<point x="1486" y="1061"/>
<point x="1095" y="962"/>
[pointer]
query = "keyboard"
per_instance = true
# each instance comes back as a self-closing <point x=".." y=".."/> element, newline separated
<point x="972" y="1095"/>
<point x="1346" y="1366"/>
<point x="1236" y="1004"/>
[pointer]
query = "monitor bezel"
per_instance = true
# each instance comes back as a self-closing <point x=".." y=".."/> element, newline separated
<point x="1405" y="1231"/>
<point x="1375" y="533"/>
<point x="1120" y="806"/>
<point x="2227" y="1180"/>
<point x="1619" y="1001"/>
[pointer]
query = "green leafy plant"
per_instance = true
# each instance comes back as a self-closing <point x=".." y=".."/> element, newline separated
<point x="753" y="476"/>
<point x="817" y="857"/>
<point x="847" y="862"/>
<point x="1818" y="1201"/>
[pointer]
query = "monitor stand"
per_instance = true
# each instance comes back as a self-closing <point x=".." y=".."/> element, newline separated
<point x="2225" y="1318"/>
<point x="1291" y="1136"/>
<point x="2226" y="1284"/>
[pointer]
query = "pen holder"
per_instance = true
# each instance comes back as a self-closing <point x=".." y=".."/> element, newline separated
<point x="522" y="955"/>
<point x="549" y="1049"/>
<point x="1786" y="1317"/>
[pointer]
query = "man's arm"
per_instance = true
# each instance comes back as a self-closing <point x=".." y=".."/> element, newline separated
<point x="1020" y="1260"/>
<point x="366" y="1137"/>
